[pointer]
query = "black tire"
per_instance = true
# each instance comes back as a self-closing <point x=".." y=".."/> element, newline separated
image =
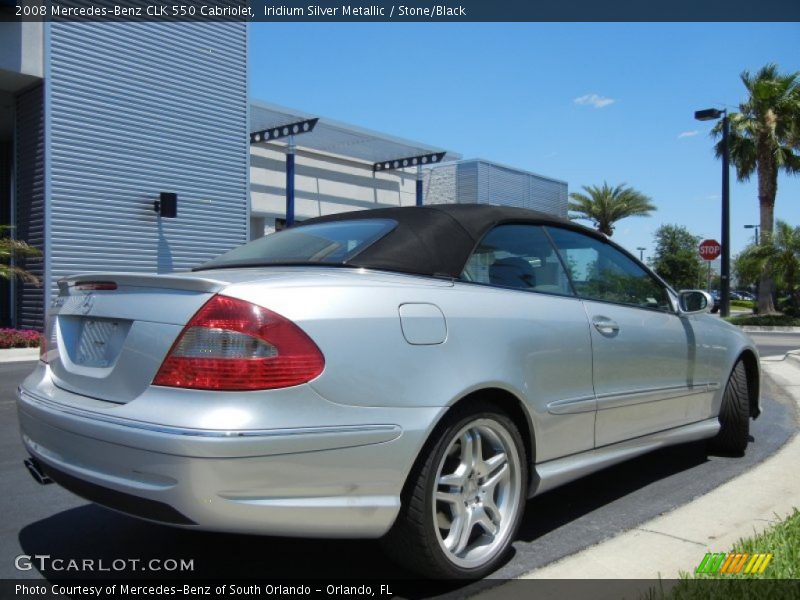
<point x="416" y="540"/>
<point x="734" y="415"/>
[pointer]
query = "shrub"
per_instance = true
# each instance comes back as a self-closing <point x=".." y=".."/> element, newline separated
<point x="789" y="306"/>
<point x="19" y="338"/>
<point x="743" y="303"/>
<point x="765" y="320"/>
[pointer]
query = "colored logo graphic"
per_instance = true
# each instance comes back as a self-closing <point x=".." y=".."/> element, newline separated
<point x="734" y="563"/>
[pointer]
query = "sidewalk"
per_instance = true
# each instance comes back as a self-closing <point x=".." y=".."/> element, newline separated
<point x="676" y="541"/>
<point x="19" y="355"/>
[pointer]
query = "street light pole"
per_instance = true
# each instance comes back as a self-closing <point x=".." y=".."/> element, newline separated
<point x="755" y="237"/>
<point x="290" y="152"/>
<point x="725" y="267"/>
<point x="641" y="250"/>
<point x="725" y="275"/>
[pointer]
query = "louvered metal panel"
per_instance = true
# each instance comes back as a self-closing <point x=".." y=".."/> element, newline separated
<point x="30" y="202"/>
<point x="6" y="214"/>
<point x="137" y="109"/>
<point x="484" y="182"/>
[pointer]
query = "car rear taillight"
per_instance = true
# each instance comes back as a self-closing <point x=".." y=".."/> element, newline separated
<point x="231" y="344"/>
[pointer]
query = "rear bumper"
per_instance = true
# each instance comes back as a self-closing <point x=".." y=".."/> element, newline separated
<point x="322" y="481"/>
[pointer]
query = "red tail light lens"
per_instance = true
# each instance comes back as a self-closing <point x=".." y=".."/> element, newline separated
<point x="234" y="345"/>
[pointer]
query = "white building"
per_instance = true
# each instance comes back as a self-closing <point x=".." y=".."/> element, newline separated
<point x="341" y="167"/>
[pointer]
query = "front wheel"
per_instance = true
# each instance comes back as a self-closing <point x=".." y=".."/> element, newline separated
<point x="464" y="500"/>
<point x="734" y="415"/>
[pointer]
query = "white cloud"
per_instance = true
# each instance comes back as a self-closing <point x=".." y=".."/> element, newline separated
<point x="594" y="100"/>
<point x="685" y="134"/>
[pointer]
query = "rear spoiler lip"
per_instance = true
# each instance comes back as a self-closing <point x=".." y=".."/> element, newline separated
<point x="170" y="282"/>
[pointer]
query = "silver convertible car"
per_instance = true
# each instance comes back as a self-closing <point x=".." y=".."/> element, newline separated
<point x="414" y="374"/>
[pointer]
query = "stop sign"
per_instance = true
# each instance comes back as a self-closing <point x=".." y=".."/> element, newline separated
<point x="710" y="249"/>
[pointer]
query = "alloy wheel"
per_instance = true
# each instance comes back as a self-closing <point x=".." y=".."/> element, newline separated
<point x="476" y="494"/>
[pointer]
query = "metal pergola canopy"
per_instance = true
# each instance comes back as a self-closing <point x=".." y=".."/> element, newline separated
<point x="343" y="139"/>
<point x="271" y="123"/>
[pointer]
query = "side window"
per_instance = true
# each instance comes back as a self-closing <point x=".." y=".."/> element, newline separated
<point x="519" y="257"/>
<point x="601" y="272"/>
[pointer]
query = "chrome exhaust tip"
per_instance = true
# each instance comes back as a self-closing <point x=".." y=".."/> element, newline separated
<point x="36" y="471"/>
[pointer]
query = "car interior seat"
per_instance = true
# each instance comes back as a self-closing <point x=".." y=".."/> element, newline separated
<point x="512" y="272"/>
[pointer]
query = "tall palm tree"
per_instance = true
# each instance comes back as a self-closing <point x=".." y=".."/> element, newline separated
<point x="765" y="139"/>
<point x="11" y="248"/>
<point x="605" y="205"/>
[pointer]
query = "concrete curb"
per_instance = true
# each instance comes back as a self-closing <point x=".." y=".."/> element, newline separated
<point x="676" y="541"/>
<point x="769" y="328"/>
<point x="19" y="355"/>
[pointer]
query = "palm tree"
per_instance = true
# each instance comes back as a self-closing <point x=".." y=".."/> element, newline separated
<point x="765" y="139"/>
<point x="606" y="205"/>
<point x="11" y="248"/>
<point x="777" y="255"/>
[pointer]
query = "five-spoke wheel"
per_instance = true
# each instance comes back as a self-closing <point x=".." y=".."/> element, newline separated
<point x="464" y="502"/>
<point x="477" y="492"/>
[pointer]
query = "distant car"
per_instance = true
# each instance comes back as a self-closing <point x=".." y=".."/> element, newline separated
<point x="411" y="373"/>
<point x="714" y="295"/>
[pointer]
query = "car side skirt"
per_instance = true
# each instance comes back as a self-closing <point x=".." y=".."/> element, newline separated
<point x="557" y="472"/>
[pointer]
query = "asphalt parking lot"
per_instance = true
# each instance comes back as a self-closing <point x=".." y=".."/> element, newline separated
<point x="775" y="343"/>
<point x="49" y="520"/>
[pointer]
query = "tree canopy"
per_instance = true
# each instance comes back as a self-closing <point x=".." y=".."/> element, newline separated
<point x="675" y="258"/>
<point x="778" y="255"/>
<point x="605" y="205"/>
<point x="10" y="249"/>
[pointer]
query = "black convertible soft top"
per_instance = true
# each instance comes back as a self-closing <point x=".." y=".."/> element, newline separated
<point x="435" y="239"/>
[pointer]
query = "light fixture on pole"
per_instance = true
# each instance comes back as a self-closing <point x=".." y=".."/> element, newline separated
<point x="641" y="250"/>
<point x="756" y="235"/>
<point x="710" y="114"/>
<point x="166" y="205"/>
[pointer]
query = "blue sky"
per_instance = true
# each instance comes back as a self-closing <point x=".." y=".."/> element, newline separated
<point x="582" y="102"/>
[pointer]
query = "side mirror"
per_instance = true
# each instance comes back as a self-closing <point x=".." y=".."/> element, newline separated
<point x="692" y="302"/>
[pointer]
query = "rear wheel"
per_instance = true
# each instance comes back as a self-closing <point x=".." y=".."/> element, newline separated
<point x="734" y="415"/>
<point x="464" y="500"/>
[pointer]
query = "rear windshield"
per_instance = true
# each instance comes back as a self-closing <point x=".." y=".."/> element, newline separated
<point x="324" y="243"/>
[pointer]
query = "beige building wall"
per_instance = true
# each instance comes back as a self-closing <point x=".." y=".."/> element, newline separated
<point x="324" y="184"/>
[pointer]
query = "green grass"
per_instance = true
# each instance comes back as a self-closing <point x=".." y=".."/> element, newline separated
<point x="743" y="303"/>
<point x="765" y="320"/>
<point x="782" y="540"/>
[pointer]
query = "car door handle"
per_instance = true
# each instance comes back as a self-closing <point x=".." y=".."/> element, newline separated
<point x="605" y="325"/>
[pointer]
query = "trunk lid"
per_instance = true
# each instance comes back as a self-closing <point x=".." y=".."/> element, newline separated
<point x="109" y="343"/>
<point x="108" y="333"/>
